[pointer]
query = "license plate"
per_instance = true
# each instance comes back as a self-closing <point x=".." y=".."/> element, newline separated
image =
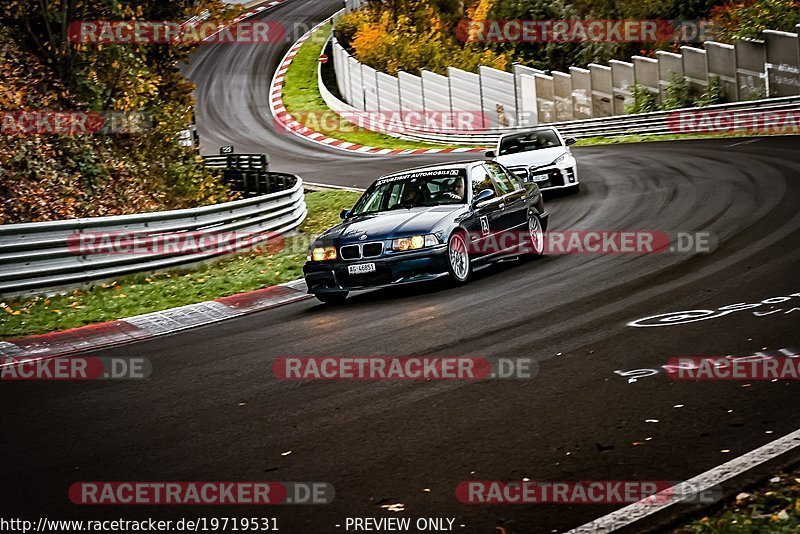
<point x="540" y="177"/>
<point x="361" y="268"/>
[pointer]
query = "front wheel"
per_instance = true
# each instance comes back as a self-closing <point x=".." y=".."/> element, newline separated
<point x="458" y="265"/>
<point x="332" y="298"/>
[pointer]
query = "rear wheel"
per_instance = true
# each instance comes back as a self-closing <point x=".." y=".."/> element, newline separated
<point x="536" y="235"/>
<point x="332" y="298"/>
<point x="458" y="264"/>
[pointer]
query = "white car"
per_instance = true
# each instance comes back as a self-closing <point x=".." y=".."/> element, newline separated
<point x="540" y="155"/>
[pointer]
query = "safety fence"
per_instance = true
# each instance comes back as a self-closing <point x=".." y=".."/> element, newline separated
<point x="68" y="253"/>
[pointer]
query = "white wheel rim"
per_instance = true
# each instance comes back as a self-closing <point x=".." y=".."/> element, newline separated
<point x="535" y="229"/>
<point x="459" y="259"/>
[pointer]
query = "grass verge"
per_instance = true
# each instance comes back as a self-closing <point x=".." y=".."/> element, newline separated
<point x="149" y="292"/>
<point x="638" y="138"/>
<point x="302" y="100"/>
<point x="770" y="509"/>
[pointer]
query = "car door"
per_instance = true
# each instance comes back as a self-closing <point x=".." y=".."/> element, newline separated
<point x="488" y="216"/>
<point x="513" y="215"/>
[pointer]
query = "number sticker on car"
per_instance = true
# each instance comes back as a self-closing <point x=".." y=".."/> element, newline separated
<point x="540" y="177"/>
<point x="361" y="268"/>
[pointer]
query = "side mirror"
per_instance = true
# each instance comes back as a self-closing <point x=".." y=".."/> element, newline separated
<point x="344" y="214"/>
<point x="570" y="141"/>
<point x="490" y="154"/>
<point x="483" y="196"/>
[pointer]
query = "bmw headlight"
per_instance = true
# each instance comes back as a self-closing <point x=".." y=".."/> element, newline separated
<point x="414" y="242"/>
<point x="322" y="253"/>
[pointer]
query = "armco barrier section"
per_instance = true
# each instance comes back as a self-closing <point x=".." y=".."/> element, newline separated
<point x="749" y="69"/>
<point x="48" y="254"/>
<point x="655" y="123"/>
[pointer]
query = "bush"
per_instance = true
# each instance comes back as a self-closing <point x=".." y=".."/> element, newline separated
<point x="644" y="101"/>
<point x="747" y="18"/>
<point x="47" y="177"/>
<point x="677" y="94"/>
<point x="418" y="37"/>
<point x="714" y="93"/>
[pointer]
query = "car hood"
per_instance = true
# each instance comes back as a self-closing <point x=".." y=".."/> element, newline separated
<point x="391" y="224"/>
<point x="535" y="158"/>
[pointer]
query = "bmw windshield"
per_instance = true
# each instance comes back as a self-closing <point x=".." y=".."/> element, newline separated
<point x="411" y="190"/>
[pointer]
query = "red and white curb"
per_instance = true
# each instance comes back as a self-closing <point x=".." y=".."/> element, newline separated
<point x="149" y="325"/>
<point x="286" y="121"/>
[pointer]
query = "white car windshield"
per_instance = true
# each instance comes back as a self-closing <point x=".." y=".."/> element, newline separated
<point x="525" y="142"/>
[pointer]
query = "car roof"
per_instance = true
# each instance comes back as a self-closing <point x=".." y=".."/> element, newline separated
<point x="439" y="166"/>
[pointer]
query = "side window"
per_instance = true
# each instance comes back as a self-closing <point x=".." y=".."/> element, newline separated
<point x="394" y="195"/>
<point x="515" y="181"/>
<point x="480" y="180"/>
<point x="503" y="180"/>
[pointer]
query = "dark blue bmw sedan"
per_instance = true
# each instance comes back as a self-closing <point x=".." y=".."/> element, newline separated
<point x="423" y="223"/>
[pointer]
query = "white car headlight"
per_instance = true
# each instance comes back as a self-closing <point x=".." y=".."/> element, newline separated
<point x="560" y="159"/>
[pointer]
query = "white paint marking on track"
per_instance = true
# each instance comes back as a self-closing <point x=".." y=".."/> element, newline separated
<point x="743" y="142"/>
<point x="703" y="482"/>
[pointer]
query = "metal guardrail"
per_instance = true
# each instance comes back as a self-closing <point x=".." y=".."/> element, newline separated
<point x="247" y="174"/>
<point x="248" y="162"/>
<point x="45" y="256"/>
<point x="654" y="123"/>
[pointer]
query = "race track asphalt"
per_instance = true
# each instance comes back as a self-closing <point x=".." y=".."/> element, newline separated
<point x="213" y="409"/>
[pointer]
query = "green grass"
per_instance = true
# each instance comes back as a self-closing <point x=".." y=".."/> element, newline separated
<point x="638" y="138"/>
<point x="771" y="509"/>
<point x="149" y="292"/>
<point x="301" y="96"/>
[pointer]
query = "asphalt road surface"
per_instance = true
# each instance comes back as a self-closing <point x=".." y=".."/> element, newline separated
<point x="213" y="410"/>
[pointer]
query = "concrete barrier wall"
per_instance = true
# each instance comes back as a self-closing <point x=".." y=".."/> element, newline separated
<point x="748" y="69"/>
